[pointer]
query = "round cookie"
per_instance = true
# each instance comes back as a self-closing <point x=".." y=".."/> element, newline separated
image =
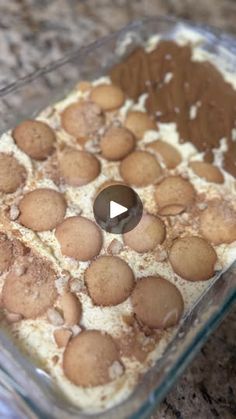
<point x="109" y="280"/>
<point x="31" y="293"/>
<point x="207" y="171"/>
<point x="6" y="253"/>
<point x="146" y="235"/>
<point x="116" y="143"/>
<point x="35" y="138"/>
<point x="138" y="123"/>
<point x="218" y="223"/>
<point x="82" y="119"/>
<point x="42" y="209"/>
<point x="173" y="195"/>
<point x="79" y="238"/>
<point x="140" y="168"/>
<point x="168" y="153"/>
<point x="89" y="357"/>
<point x="108" y="96"/>
<point x="12" y="174"/>
<point x="77" y="168"/>
<point x="157" y="302"/>
<point x="193" y="258"/>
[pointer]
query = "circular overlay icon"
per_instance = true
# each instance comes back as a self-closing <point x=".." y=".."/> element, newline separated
<point x="117" y="209"/>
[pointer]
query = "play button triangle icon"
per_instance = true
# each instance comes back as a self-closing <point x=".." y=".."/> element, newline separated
<point x="116" y="209"/>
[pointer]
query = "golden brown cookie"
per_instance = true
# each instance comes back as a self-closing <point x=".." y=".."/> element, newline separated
<point x="29" y="287"/>
<point x="89" y="357"/>
<point x="109" y="280"/>
<point x="42" y="209"/>
<point x="77" y="168"/>
<point x="12" y="173"/>
<point x="82" y="119"/>
<point x="108" y="96"/>
<point x="149" y="232"/>
<point x="79" y="238"/>
<point x="71" y="307"/>
<point x="167" y="152"/>
<point x="6" y="253"/>
<point x="140" y="168"/>
<point x="173" y="195"/>
<point x="138" y="123"/>
<point x="193" y="258"/>
<point x="35" y="138"/>
<point x="116" y="143"/>
<point x="207" y="171"/>
<point x="157" y="302"/>
<point x="218" y="222"/>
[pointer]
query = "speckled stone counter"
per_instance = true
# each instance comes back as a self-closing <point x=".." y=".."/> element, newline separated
<point x="33" y="33"/>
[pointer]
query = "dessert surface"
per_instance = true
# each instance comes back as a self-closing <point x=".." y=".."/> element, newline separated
<point x="106" y="306"/>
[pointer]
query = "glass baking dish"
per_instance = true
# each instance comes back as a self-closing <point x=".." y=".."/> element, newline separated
<point x="27" y="390"/>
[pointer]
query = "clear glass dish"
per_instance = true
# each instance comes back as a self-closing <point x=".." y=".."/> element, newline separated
<point x="29" y="391"/>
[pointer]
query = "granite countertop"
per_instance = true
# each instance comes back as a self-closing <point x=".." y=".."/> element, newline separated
<point x="33" y="33"/>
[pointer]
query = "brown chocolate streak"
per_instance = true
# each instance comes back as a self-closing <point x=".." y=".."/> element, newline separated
<point x="192" y="82"/>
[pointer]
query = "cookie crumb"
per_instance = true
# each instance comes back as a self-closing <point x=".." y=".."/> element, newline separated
<point x="54" y="317"/>
<point x="202" y="205"/>
<point x="161" y="255"/>
<point x="55" y="359"/>
<point x="76" y="329"/>
<point x="12" y="317"/>
<point x="115" y="247"/>
<point x="14" y="212"/>
<point x="92" y="146"/>
<point x="115" y="370"/>
<point x="71" y="307"/>
<point x="61" y="283"/>
<point x="76" y="285"/>
<point x="62" y="337"/>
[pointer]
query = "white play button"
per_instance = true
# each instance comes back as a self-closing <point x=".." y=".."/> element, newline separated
<point x="116" y="209"/>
